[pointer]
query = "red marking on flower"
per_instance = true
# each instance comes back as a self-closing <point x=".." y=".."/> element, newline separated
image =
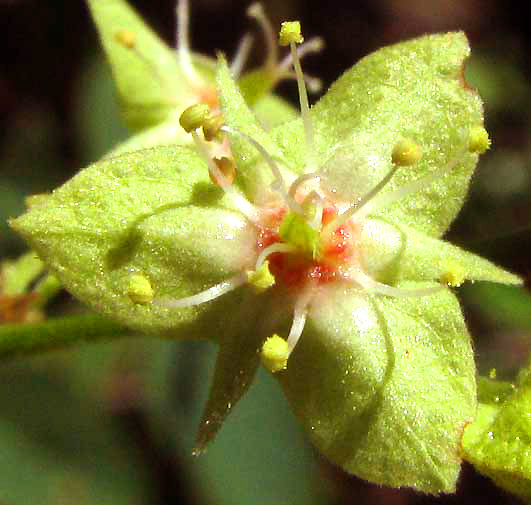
<point x="329" y="213"/>
<point x="266" y="237"/>
<point x="323" y="273"/>
<point x="294" y="269"/>
<point x="207" y="94"/>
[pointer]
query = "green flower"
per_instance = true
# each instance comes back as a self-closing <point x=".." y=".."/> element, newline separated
<point x="156" y="82"/>
<point x="323" y="257"/>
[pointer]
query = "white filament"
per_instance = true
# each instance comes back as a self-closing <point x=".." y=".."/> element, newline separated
<point x="278" y="184"/>
<point x="355" y="208"/>
<point x="314" y="45"/>
<point x="205" y="296"/>
<point x="413" y="187"/>
<point x="245" y="207"/>
<point x="256" y="11"/>
<point x="305" y="108"/>
<point x="299" y="181"/>
<point x="277" y="247"/>
<point x="183" y="40"/>
<point x="317" y="219"/>
<point x="300" y="312"/>
<point x="368" y="283"/>
<point x="242" y="55"/>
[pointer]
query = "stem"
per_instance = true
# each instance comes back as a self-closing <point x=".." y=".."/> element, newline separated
<point x="24" y="339"/>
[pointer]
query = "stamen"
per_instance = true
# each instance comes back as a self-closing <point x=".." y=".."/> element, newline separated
<point x="413" y="187"/>
<point x="183" y="44"/>
<point x="405" y="153"/>
<point x="256" y="11"/>
<point x="313" y="84"/>
<point x="140" y="290"/>
<point x="478" y="140"/>
<point x="278" y="184"/>
<point x="314" y="45"/>
<point x="128" y="40"/>
<point x="242" y="55"/>
<point x="299" y="181"/>
<point x="290" y="33"/>
<point x="205" y="296"/>
<point x="369" y="284"/>
<point x="454" y="275"/>
<point x="355" y="208"/>
<point x="227" y="168"/>
<point x="212" y="128"/>
<point x="192" y="119"/>
<point x="275" y="354"/>
<point x="299" y="318"/>
<point x="277" y="247"/>
<point x="314" y="205"/>
<point x="244" y="206"/>
<point x="261" y="279"/>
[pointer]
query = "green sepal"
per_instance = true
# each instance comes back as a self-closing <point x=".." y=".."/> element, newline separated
<point x="498" y="442"/>
<point x="256" y="84"/>
<point x="393" y="253"/>
<point x="154" y="213"/>
<point x="163" y="134"/>
<point x="384" y="386"/>
<point x="17" y="275"/>
<point x="151" y="83"/>
<point x="254" y="174"/>
<point x="236" y="364"/>
<point x="273" y="111"/>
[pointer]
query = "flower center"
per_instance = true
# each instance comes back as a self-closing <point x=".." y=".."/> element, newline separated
<point x="298" y="253"/>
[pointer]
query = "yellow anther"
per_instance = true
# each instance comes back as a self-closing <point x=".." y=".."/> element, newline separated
<point x="478" y="140"/>
<point x="212" y="127"/>
<point x="126" y="38"/>
<point x="406" y="152"/>
<point x="454" y="276"/>
<point x="262" y="279"/>
<point x="290" y="31"/>
<point x="140" y="290"/>
<point x="194" y="116"/>
<point x="275" y="354"/>
<point x="228" y="169"/>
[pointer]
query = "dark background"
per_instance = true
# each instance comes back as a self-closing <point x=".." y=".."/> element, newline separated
<point x="117" y="420"/>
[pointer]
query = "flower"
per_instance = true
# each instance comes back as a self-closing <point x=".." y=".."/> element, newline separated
<point x="328" y="240"/>
<point x="156" y="82"/>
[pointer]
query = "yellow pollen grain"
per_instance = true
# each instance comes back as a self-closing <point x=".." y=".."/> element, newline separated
<point x="275" y="354"/>
<point x="194" y="116"/>
<point x="478" y="140"/>
<point x="212" y="128"/>
<point x="454" y="276"/>
<point x="140" y="290"/>
<point x="406" y="152"/>
<point x="290" y="31"/>
<point x="262" y="279"/>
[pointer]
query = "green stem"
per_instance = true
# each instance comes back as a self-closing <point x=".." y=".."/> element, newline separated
<point x="22" y="339"/>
